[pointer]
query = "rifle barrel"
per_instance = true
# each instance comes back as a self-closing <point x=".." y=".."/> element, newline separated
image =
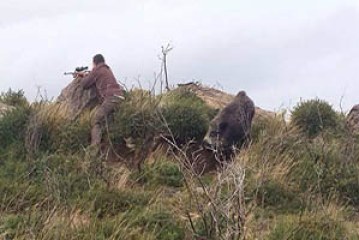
<point x="73" y="73"/>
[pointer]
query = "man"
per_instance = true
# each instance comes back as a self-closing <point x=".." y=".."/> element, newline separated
<point x="109" y="94"/>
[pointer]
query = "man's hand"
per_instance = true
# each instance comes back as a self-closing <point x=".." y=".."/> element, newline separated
<point x="80" y="74"/>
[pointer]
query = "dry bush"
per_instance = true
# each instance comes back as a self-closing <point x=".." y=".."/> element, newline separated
<point x="51" y="130"/>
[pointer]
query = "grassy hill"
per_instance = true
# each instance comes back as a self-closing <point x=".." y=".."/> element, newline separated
<point x="297" y="180"/>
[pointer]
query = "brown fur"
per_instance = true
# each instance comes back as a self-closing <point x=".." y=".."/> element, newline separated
<point x="232" y="125"/>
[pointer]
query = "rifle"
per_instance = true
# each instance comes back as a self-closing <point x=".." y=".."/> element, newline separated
<point x="78" y="70"/>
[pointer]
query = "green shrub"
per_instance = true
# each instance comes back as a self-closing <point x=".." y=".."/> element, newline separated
<point x="21" y="226"/>
<point x="263" y="127"/>
<point x="342" y="181"/>
<point x="9" y="225"/>
<point x="314" y="116"/>
<point x="323" y="168"/>
<point x="136" y="118"/>
<point x="13" y="98"/>
<point x="163" y="224"/>
<point x="73" y="136"/>
<point x="178" y="113"/>
<point x="273" y="194"/>
<point x="19" y="196"/>
<point x="186" y="115"/>
<point x="347" y="185"/>
<point x="122" y="226"/>
<point x="205" y="227"/>
<point x="310" y="228"/>
<point x="57" y="178"/>
<point x="113" y="202"/>
<point x="54" y="132"/>
<point x="162" y="172"/>
<point x="66" y="178"/>
<point x="13" y="127"/>
<point x="70" y="137"/>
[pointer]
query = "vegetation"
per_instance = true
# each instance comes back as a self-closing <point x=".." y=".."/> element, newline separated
<point x="14" y="98"/>
<point x="143" y="115"/>
<point x="286" y="185"/>
<point x="314" y="116"/>
<point x="182" y="107"/>
<point x="13" y="127"/>
<point x="312" y="225"/>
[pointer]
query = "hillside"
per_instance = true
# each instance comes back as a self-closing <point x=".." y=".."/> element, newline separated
<point x="296" y="180"/>
<point x="218" y="99"/>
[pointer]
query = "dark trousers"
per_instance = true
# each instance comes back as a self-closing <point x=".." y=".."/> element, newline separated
<point x="99" y="119"/>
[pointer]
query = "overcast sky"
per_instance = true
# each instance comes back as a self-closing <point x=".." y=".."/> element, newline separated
<point x="279" y="51"/>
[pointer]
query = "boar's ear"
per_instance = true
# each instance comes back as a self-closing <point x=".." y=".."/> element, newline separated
<point x="241" y="94"/>
<point x="223" y="126"/>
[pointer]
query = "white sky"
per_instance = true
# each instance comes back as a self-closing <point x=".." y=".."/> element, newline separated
<point x="279" y="51"/>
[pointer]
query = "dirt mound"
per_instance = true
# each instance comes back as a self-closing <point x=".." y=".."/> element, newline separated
<point x="218" y="99"/>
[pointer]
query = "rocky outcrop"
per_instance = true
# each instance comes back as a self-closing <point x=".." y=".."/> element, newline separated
<point x="219" y="99"/>
<point x="74" y="99"/>
<point x="4" y="108"/>
<point x="353" y="119"/>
